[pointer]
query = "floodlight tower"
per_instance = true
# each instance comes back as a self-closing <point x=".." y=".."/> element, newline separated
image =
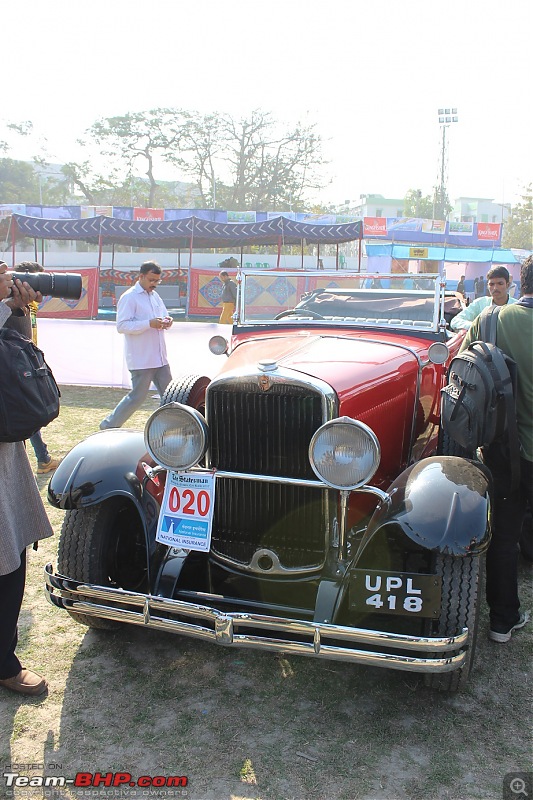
<point x="447" y="116"/>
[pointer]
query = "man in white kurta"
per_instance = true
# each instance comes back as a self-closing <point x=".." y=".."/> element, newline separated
<point x="143" y="319"/>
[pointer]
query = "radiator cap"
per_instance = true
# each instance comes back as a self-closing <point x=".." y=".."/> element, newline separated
<point x="268" y="365"/>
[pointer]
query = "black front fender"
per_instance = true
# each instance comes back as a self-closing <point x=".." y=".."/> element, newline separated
<point x="441" y="503"/>
<point x="101" y="466"/>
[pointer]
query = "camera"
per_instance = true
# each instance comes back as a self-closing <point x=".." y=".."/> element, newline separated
<point x="66" y="285"/>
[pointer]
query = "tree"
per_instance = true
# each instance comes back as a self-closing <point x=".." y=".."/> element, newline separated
<point x="148" y="136"/>
<point x="270" y="168"/>
<point x="249" y="163"/>
<point x="518" y="228"/>
<point x="414" y="205"/>
<point x="18" y="182"/>
<point x="441" y="204"/>
<point x="202" y="142"/>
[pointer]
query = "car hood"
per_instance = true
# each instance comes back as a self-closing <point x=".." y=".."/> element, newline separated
<point x="347" y="363"/>
<point x="375" y="375"/>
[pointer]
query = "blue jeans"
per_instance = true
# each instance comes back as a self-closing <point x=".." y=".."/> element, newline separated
<point x="141" y="380"/>
<point x="39" y="448"/>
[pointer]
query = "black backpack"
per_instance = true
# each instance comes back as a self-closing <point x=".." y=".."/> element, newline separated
<point x="29" y="394"/>
<point x="478" y="404"/>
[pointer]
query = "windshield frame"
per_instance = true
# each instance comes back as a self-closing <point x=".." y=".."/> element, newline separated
<point x="434" y="290"/>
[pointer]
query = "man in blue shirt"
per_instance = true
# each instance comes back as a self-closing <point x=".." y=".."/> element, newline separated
<point x="143" y="318"/>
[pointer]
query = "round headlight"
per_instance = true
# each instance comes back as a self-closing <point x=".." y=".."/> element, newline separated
<point x="344" y="453"/>
<point x="218" y="345"/>
<point x="438" y="353"/>
<point x="176" y="436"/>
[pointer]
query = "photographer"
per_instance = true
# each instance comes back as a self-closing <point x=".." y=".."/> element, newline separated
<point x="24" y="321"/>
<point x="23" y="521"/>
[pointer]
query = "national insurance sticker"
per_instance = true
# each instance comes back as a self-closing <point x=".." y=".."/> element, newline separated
<point x="186" y="516"/>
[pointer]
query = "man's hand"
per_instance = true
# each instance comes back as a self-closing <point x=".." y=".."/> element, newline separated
<point x="158" y="323"/>
<point x="22" y="294"/>
<point x="5" y="282"/>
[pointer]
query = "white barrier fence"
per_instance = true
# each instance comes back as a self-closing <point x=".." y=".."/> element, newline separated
<point x="91" y="352"/>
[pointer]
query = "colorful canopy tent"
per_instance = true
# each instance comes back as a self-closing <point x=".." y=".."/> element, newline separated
<point x="400" y="251"/>
<point x="456" y="261"/>
<point x="188" y="233"/>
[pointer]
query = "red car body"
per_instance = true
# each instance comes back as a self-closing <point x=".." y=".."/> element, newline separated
<point x="344" y="524"/>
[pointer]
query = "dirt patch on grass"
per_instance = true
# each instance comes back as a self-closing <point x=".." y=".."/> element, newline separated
<point x="249" y="725"/>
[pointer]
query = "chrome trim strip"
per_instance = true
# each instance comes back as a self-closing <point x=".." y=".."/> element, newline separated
<point x="249" y="476"/>
<point x="63" y="592"/>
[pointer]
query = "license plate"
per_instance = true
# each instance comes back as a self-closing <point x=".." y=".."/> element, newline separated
<point x="408" y="594"/>
<point x="186" y="516"/>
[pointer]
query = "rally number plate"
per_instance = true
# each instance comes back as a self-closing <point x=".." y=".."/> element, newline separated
<point x="402" y="593"/>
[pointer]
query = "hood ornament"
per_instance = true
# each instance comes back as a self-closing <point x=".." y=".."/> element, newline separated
<point x="264" y="381"/>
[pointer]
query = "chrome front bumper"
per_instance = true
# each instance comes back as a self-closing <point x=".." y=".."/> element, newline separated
<point x="310" y="638"/>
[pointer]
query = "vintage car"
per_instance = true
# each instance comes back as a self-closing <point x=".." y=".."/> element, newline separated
<point x="304" y="500"/>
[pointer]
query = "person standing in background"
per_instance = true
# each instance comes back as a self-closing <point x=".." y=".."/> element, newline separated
<point x="229" y="293"/>
<point x="514" y="335"/>
<point x="480" y="287"/>
<point x="143" y="319"/>
<point x="499" y="282"/>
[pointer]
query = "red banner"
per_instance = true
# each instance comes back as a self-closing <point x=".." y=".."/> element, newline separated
<point x="374" y="226"/>
<point x="148" y="213"/>
<point x="489" y="231"/>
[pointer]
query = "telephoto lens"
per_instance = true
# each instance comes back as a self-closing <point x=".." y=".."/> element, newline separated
<point x="66" y="285"/>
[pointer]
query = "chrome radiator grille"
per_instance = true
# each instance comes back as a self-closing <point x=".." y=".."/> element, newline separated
<point x="266" y="433"/>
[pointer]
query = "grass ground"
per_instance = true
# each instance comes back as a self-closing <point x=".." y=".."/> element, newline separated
<point x="245" y="725"/>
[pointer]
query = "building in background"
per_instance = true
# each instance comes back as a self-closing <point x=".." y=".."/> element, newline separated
<point x="375" y="205"/>
<point x="479" y="209"/>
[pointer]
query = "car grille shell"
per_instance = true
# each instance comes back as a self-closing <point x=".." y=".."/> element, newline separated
<point x="266" y="432"/>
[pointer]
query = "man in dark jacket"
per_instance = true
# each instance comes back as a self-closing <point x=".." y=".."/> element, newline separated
<point x="229" y="295"/>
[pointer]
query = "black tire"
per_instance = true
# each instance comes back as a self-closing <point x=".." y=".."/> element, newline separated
<point x="462" y="582"/>
<point x="447" y="447"/>
<point x="104" y="545"/>
<point x="189" y="390"/>
<point x="526" y="537"/>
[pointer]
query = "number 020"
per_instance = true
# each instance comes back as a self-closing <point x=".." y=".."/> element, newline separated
<point x="189" y="502"/>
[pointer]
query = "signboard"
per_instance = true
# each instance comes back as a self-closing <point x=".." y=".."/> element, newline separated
<point x="149" y="213"/>
<point x="460" y="228"/>
<point x="374" y="226"/>
<point x="186" y="516"/>
<point x="488" y="231"/>
<point x="418" y="252"/>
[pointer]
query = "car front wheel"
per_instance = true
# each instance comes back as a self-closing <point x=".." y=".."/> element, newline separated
<point x="104" y="545"/>
<point x="462" y="580"/>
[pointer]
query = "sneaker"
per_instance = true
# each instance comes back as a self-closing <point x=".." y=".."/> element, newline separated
<point x="26" y="682"/>
<point x="504" y="636"/>
<point x="47" y="466"/>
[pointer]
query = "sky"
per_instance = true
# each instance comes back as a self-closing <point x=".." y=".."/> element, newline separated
<point x="372" y="76"/>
